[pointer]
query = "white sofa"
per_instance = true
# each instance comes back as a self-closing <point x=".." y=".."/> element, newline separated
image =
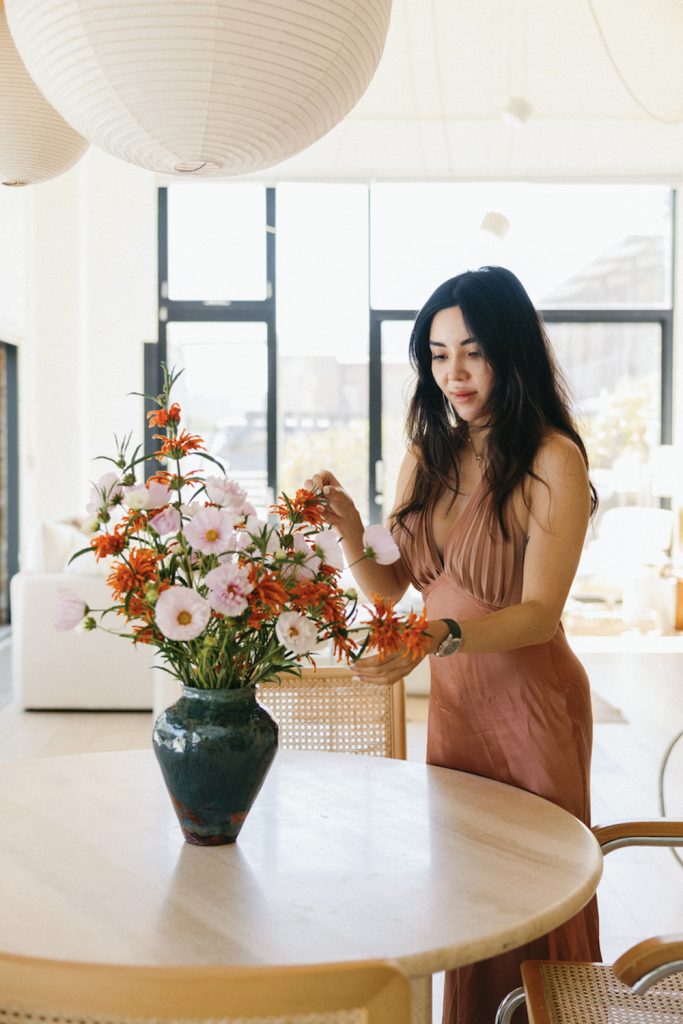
<point x="70" y="670"/>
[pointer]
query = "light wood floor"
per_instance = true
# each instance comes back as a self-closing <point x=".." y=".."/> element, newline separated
<point x="641" y="892"/>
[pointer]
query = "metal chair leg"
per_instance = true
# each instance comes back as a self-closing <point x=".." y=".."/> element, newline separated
<point x="509" y="1005"/>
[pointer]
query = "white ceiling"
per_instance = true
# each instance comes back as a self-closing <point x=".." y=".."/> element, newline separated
<point x="433" y="110"/>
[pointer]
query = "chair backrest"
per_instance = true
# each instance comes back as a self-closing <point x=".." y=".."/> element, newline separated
<point x="326" y="710"/>
<point x="61" y="993"/>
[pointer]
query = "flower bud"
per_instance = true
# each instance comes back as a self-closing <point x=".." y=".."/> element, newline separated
<point x="88" y="624"/>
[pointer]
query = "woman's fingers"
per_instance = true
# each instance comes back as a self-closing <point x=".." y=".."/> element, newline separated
<point x="389" y="669"/>
<point x="320" y="480"/>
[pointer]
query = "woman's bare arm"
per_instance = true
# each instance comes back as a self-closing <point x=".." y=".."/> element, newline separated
<point x="389" y="581"/>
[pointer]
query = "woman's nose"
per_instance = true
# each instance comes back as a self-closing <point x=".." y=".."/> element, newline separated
<point x="456" y="369"/>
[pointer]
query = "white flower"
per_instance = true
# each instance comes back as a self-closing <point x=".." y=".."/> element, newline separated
<point x="295" y="632"/>
<point x="90" y="524"/>
<point x="328" y="548"/>
<point x="136" y="497"/>
<point x="181" y="613"/>
<point x="70" y="610"/>
<point x="103" y="492"/>
<point x="254" y="527"/>
<point x="228" y="588"/>
<point x="145" y="496"/>
<point x="211" y="531"/>
<point x="380" y="546"/>
<point x="227" y="493"/>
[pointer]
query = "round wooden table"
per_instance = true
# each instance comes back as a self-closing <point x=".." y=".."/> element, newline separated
<point x="341" y="858"/>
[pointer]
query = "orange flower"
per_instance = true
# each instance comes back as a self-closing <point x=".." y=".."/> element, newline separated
<point x="134" y="520"/>
<point x="176" y="447"/>
<point x="160" y="417"/>
<point x="130" y="576"/>
<point x="108" y="543"/>
<point x="306" y="506"/>
<point x="144" y="634"/>
<point x="269" y="593"/>
<point x="385" y="627"/>
<point x="415" y="637"/>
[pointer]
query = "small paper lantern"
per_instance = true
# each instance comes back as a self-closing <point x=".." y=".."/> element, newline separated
<point x="35" y="142"/>
<point x="197" y="87"/>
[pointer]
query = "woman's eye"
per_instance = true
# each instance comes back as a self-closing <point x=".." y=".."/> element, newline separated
<point x="436" y="357"/>
<point x="474" y="354"/>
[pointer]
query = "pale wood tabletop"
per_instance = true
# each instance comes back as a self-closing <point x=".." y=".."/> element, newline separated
<point x="342" y="857"/>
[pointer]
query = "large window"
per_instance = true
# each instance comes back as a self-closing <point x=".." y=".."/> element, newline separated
<point x="290" y="310"/>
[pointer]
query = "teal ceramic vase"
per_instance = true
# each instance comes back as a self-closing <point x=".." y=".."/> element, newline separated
<point x="214" y="748"/>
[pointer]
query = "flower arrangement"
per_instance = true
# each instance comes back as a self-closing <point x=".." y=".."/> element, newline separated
<point x="228" y="599"/>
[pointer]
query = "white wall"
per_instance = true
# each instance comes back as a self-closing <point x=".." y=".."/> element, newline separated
<point x="91" y="269"/>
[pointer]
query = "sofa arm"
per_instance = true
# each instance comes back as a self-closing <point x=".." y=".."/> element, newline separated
<point x="71" y="670"/>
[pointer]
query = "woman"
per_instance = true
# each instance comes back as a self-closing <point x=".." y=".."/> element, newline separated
<point x="491" y="511"/>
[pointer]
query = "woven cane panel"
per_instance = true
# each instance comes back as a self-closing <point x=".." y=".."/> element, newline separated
<point x="591" y="994"/>
<point x="331" y="713"/>
<point x="8" y="1015"/>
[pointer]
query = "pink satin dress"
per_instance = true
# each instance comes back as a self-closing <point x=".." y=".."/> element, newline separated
<point x="522" y="717"/>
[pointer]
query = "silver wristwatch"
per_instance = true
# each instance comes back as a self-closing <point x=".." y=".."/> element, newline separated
<point x="452" y="642"/>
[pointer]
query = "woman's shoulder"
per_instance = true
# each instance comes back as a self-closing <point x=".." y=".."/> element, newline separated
<point x="558" y="457"/>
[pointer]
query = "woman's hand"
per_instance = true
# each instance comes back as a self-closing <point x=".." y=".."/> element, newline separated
<point x="394" y="667"/>
<point x="340" y="511"/>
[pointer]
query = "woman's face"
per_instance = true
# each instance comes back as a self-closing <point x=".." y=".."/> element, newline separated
<point x="459" y="366"/>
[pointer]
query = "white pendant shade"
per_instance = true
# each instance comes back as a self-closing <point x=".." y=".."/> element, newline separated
<point x="35" y="142"/>
<point x="197" y="87"/>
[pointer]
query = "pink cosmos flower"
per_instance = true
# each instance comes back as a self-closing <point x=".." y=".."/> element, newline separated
<point x="307" y="567"/>
<point x="328" y="548"/>
<point x="158" y="495"/>
<point x="380" y="546"/>
<point x="226" y="493"/>
<point x="141" y="496"/>
<point x="296" y="632"/>
<point x="70" y="610"/>
<point x="166" y="521"/>
<point x="211" y="531"/>
<point x="181" y="613"/>
<point x="228" y="589"/>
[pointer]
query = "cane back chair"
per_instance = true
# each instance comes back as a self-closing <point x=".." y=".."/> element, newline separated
<point x="644" y="986"/>
<point x="327" y="710"/>
<point x="33" y="991"/>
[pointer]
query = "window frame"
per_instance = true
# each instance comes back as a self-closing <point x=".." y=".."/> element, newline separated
<point x="265" y="311"/>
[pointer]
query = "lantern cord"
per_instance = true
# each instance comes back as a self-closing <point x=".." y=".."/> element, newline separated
<point x="636" y="99"/>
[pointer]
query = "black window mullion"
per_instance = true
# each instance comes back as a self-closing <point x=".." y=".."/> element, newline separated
<point x="375" y="455"/>
<point x="374" y="412"/>
<point x="199" y="311"/>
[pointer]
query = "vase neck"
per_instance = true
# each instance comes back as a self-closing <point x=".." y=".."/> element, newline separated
<point x="241" y="696"/>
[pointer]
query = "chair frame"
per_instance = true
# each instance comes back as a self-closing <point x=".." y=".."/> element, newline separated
<point x="311" y="680"/>
<point x="54" y="987"/>
<point x="641" y="966"/>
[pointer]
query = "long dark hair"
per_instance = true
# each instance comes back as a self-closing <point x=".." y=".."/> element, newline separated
<point x="529" y="394"/>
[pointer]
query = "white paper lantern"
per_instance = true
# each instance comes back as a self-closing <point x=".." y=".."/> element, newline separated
<point x="197" y="87"/>
<point x="35" y="142"/>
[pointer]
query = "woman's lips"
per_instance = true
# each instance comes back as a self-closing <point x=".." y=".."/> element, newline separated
<point x="461" y="396"/>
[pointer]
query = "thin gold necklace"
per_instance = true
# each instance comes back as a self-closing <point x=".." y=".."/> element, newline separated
<point x="480" y="459"/>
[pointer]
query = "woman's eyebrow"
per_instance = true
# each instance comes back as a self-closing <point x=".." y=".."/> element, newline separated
<point x="442" y="344"/>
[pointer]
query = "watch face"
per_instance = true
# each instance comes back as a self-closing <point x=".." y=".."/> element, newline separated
<point x="449" y="646"/>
